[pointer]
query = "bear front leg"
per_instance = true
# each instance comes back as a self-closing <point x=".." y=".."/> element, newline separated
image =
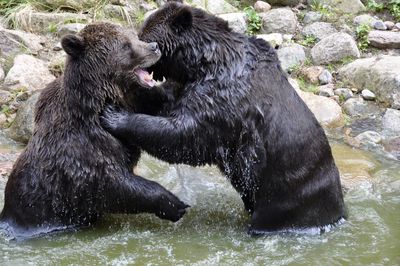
<point x="135" y="194"/>
<point x="171" y="139"/>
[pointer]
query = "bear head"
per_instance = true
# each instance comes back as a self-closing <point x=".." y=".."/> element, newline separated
<point x="107" y="52"/>
<point x="190" y="40"/>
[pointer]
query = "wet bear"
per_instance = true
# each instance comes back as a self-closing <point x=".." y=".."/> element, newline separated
<point x="72" y="170"/>
<point x="237" y="110"/>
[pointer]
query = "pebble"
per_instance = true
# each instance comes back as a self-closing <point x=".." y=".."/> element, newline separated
<point x="397" y="26"/>
<point x="389" y="25"/>
<point x="57" y="47"/>
<point x="345" y="93"/>
<point x="261" y="6"/>
<point x="379" y="25"/>
<point x="368" y="95"/>
<point x="325" y="77"/>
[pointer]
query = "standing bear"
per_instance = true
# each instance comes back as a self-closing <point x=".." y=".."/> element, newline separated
<point x="72" y="170"/>
<point x="236" y="109"/>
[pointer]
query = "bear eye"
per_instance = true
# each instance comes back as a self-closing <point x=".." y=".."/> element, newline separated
<point x="126" y="46"/>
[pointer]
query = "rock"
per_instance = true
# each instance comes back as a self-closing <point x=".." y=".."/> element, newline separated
<point x="261" y="6"/>
<point x="392" y="145"/>
<point x="57" y="47"/>
<point x="364" y="19"/>
<point x="40" y="21"/>
<point x="391" y="120"/>
<point x="357" y="107"/>
<point x="378" y="25"/>
<point x="326" y="90"/>
<point x="380" y="74"/>
<point x="22" y="128"/>
<point x="384" y="39"/>
<point x="70" y="28"/>
<point x="280" y="20"/>
<point x="215" y="6"/>
<point x="343" y="92"/>
<point x="319" y="30"/>
<point x="5" y="97"/>
<point x="2" y="74"/>
<point x="369" y="138"/>
<point x="334" y="48"/>
<point x="287" y="37"/>
<point x="389" y="25"/>
<point x="325" y="77"/>
<point x="311" y="17"/>
<point x="72" y="4"/>
<point x="284" y="2"/>
<point x="327" y="111"/>
<point x="3" y="120"/>
<point x="368" y="95"/>
<point x="397" y="26"/>
<point x="348" y="6"/>
<point x="275" y="39"/>
<point x="312" y="73"/>
<point x="236" y="21"/>
<point x="291" y="55"/>
<point x="28" y="72"/>
<point x="13" y="42"/>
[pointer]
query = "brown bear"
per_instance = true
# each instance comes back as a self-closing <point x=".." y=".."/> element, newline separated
<point x="237" y="110"/>
<point x="72" y="170"/>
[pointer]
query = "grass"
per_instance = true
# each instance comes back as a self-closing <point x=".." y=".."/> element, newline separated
<point x="306" y="86"/>
<point x="17" y="12"/>
<point x="362" y="37"/>
<point x="309" y="40"/>
<point x="374" y="6"/>
<point x="322" y="9"/>
<point x="393" y="6"/>
<point x="253" y="21"/>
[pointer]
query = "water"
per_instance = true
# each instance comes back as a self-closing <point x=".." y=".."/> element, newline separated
<point x="213" y="232"/>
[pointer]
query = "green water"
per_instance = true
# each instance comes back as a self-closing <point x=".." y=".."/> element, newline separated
<point x="213" y="232"/>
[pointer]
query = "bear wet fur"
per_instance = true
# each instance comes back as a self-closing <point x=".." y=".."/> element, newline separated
<point x="237" y="110"/>
<point x="72" y="170"/>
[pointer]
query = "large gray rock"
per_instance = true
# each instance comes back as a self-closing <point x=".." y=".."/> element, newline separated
<point x="40" y="21"/>
<point x="236" y="21"/>
<point x="319" y="30"/>
<point x="284" y="2"/>
<point x="326" y="110"/>
<point x="384" y="39"/>
<point x="380" y="74"/>
<point x="70" y="28"/>
<point x="28" y="72"/>
<point x="334" y="48"/>
<point x="274" y="39"/>
<point x="347" y="6"/>
<point x="2" y="74"/>
<point x="357" y="107"/>
<point x="364" y="19"/>
<point x="13" y="42"/>
<point x="391" y="120"/>
<point x="282" y="20"/>
<point x="311" y="17"/>
<point x="215" y="6"/>
<point x="291" y="55"/>
<point x="22" y="128"/>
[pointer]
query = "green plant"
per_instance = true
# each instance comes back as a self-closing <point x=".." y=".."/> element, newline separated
<point x="309" y="40"/>
<point x="52" y="28"/>
<point x="305" y="86"/>
<point x="321" y="8"/>
<point x="374" y="6"/>
<point x="394" y="8"/>
<point x="253" y="21"/>
<point x="362" y="36"/>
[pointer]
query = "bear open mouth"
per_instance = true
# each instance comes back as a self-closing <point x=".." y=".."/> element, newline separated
<point x="145" y="78"/>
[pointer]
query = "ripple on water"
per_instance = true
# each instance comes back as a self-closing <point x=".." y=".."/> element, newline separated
<point x="213" y="232"/>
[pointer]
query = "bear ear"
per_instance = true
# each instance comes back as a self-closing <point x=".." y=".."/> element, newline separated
<point x="73" y="45"/>
<point x="183" y="18"/>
